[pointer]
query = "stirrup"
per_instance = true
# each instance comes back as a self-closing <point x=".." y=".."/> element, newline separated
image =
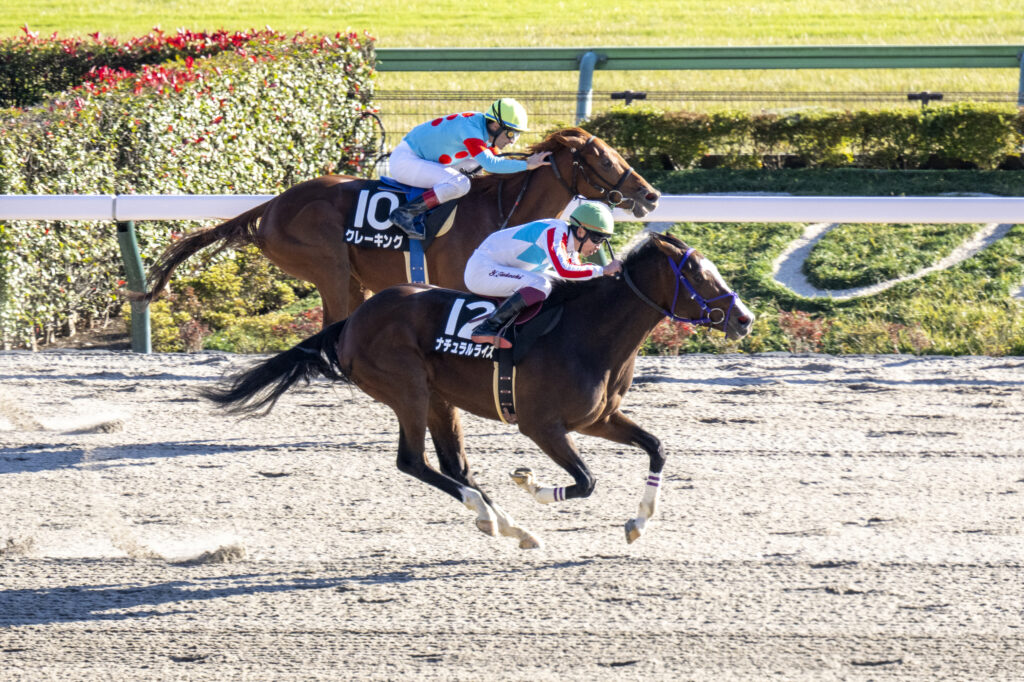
<point x="489" y="337"/>
<point x="406" y="223"/>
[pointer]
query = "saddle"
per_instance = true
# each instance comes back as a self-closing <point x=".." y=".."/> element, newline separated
<point x="368" y="224"/>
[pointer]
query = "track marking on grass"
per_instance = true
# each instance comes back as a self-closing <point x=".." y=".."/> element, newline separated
<point x="787" y="268"/>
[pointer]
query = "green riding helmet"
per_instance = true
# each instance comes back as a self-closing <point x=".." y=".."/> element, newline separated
<point x="508" y="113"/>
<point x="594" y="217"/>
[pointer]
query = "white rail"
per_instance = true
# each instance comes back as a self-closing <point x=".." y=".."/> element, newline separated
<point x="681" y="207"/>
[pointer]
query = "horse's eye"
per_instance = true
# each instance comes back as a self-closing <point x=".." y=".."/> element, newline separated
<point x="606" y="162"/>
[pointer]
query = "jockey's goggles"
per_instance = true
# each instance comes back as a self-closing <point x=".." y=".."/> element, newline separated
<point x="596" y="237"/>
<point x="512" y="135"/>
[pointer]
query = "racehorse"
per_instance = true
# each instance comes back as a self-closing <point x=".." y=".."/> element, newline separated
<point x="572" y="379"/>
<point x="302" y="229"/>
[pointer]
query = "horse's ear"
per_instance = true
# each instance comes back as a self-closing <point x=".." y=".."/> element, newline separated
<point x="668" y="244"/>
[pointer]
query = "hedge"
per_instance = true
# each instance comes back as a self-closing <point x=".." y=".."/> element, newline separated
<point x="256" y="119"/>
<point x="962" y="134"/>
<point x="33" y="67"/>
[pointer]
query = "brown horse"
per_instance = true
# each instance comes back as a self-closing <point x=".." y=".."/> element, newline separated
<point x="572" y="379"/>
<point x="302" y="230"/>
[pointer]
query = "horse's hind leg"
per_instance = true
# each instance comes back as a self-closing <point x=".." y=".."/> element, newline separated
<point x="618" y="428"/>
<point x="446" y="432"/>
<point x="412" y="461"/>
<point x="309" y="244"/>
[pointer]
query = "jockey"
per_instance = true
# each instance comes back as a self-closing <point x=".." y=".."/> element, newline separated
<point x="522" y="262"/>
<point x="434" y="153"/>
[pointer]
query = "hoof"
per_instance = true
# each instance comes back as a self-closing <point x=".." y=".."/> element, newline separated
<point x="527" y="541"/>
<point x="633" y="531"/>
<point x="523" y="477"/>
<point x="487" y="527"/>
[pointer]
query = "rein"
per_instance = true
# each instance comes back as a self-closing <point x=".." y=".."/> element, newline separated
<point x="515" y="205"/>
<point x="677" y="268"/>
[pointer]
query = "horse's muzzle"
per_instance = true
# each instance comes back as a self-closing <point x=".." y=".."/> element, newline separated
<point x="739" y="322"/>
<point x="644" y="201"/>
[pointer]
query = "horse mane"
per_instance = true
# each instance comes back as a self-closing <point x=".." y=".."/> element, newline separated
<point x="560" y="138"/>
<point x="644" y="250"/>
<point x="552" y="143"/>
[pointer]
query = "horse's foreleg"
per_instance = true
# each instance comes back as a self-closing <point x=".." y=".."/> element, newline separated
<point x="446" y="432"/>
<point x="559" y="446"/>
<point x="619" y="428"/>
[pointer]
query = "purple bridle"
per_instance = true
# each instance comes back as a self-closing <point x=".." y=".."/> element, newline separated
<point x="704" y="303"/>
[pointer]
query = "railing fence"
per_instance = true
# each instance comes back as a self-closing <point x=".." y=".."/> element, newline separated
<point x="402" y="110"/>
<point x="126" y="209"/>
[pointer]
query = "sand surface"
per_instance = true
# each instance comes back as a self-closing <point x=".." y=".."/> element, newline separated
<point x="823" y="518"/>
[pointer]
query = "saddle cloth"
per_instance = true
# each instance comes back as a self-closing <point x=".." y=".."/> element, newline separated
<point x="455" y="337"/>
<point x="368" y="224"/>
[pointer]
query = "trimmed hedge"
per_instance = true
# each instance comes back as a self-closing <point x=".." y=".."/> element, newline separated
<point x="271" y="112"/>
<point x="32" y="68"/>
<point x="973" y="135"/>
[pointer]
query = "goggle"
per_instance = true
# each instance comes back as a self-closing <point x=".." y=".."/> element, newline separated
<point x="596" y="237"/>
<point x="512" y="135"/>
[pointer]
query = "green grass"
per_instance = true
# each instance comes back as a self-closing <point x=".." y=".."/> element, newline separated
<point x="536" y="23"/>
<point x="966" y="309"/>
<point x="856" y="255"/>
<point x="400" y="23"/>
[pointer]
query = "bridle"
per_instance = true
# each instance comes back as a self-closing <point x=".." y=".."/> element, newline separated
<point x="612" y="195"/>
<point x="704" y="303"/>
<point x="580" y="166"/>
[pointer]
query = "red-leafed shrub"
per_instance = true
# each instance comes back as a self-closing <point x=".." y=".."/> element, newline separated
<point x="238" y="113"/>
<point x="33" y="66"/>
<point x="669" y="337"/>
<point x="804" y="332"/>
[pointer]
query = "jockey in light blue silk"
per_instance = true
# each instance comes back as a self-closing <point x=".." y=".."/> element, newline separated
<point x="434" y="154"/>
<point x="522" y="262"/>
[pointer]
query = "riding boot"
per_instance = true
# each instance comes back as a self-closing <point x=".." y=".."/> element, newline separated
<point x="490" y="329"/>
<point x="405" y="215"/>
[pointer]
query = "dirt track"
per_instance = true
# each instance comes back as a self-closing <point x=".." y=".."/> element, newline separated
<point x="823" y="518"/>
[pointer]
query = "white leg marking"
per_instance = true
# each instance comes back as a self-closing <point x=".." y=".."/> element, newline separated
<point x="648" y="506"/>
<point x="486" y="520"/>
<point x="525" y="479"/>
<point x="507" y="527"/>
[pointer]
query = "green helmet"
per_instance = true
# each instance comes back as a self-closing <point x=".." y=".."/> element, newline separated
<point x="508" y="113"/>
<point x="594" y="217"/>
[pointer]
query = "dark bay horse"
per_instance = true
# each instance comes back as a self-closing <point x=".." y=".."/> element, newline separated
<point x="302" y="229"/>
<point x="573" y="379"/>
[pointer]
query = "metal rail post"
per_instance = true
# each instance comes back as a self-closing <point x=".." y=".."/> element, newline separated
<point x="1020" y="84"/>
<point x="136" y="282"/>
<point x="585" y="92"/>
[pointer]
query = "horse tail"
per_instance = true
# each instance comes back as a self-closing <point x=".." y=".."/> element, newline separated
<point x="259" y="387"/>
<point x="238" y="231"/>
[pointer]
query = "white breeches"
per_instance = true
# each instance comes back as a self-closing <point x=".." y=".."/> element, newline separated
<point x="486" y="277"/>
<point x="447" y="182"/>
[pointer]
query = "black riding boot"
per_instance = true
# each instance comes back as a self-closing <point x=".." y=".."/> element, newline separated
<point x="489" y="329"/>
<point x="405" y="216"/>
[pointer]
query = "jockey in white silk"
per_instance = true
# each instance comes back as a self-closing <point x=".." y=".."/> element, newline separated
<point x="522" y="263"/>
